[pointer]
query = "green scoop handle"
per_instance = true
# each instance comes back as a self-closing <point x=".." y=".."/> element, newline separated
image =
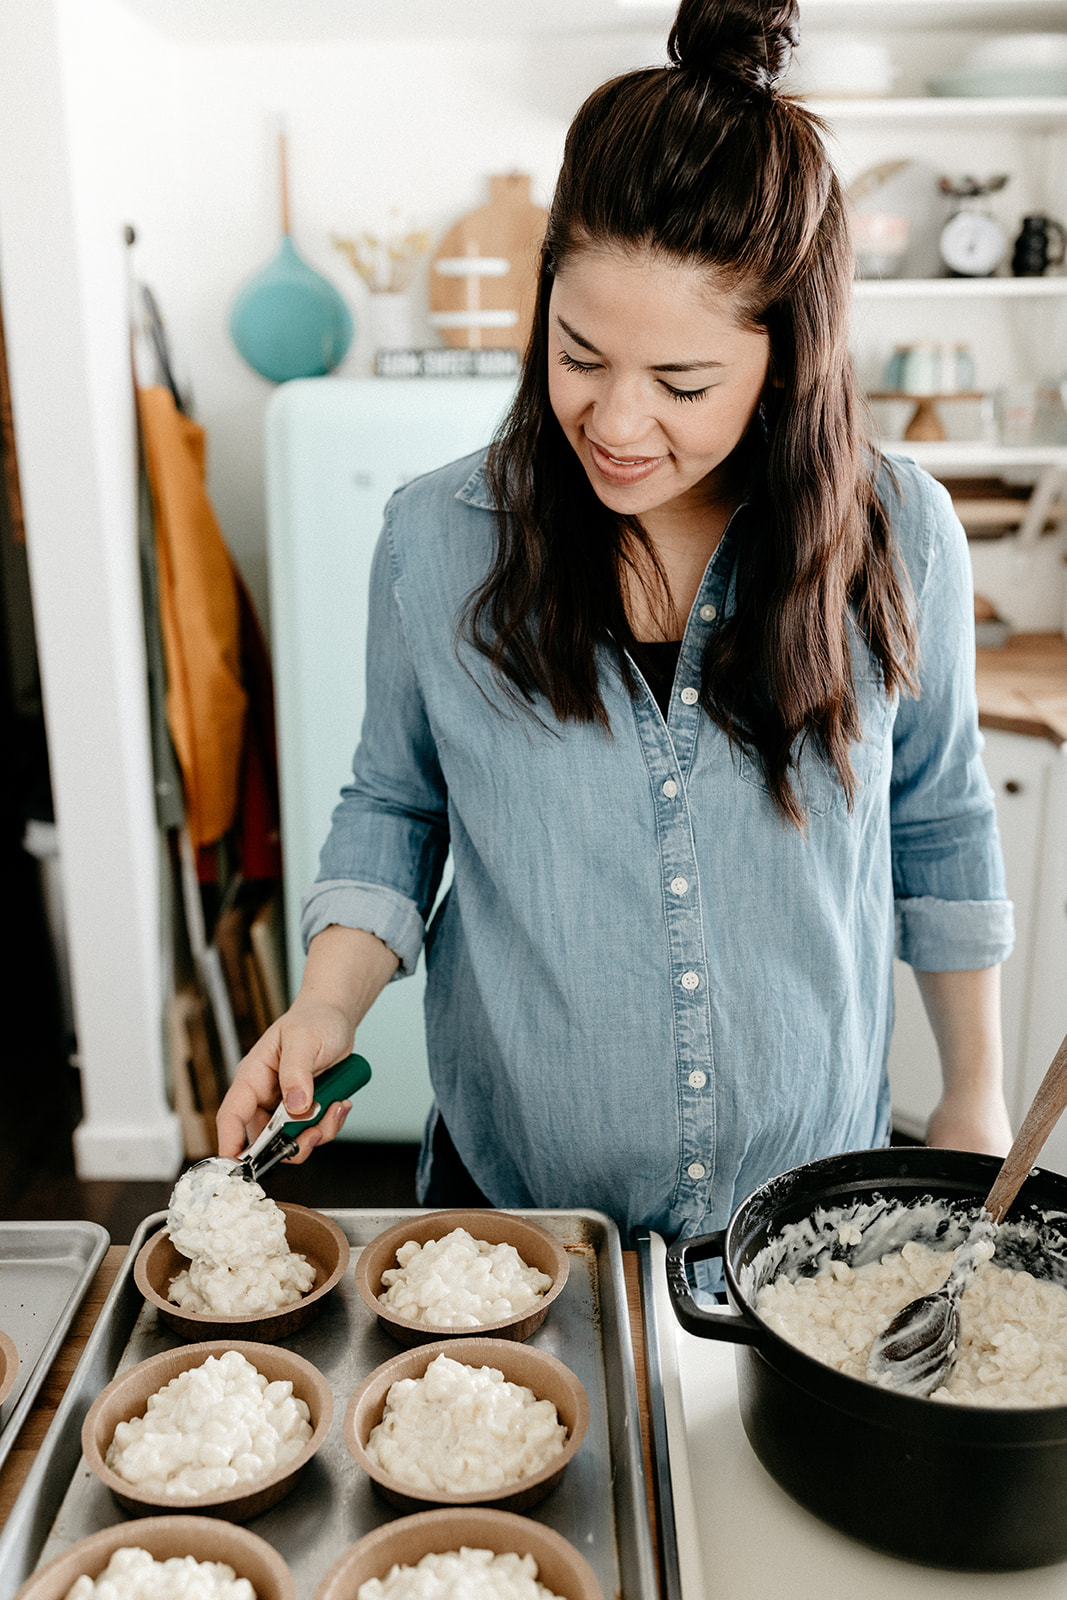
<point x="336" y="1083"/>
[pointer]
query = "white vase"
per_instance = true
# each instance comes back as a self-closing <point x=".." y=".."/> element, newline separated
<point x="390" y="322"/>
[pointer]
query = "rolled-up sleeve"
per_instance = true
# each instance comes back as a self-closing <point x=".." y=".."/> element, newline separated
<point x="384" y="856"/>
<point x="951" y="908"/>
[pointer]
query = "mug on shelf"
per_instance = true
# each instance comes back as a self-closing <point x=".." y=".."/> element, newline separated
<point x="930" y="368"/>
<point x="1042" y="243"/>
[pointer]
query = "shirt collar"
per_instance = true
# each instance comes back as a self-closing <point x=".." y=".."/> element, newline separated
<point x="475" y="492"/>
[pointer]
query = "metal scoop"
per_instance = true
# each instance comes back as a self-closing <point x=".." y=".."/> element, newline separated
<point x="918" y="1349"/>
<point x="278" y="1138"/>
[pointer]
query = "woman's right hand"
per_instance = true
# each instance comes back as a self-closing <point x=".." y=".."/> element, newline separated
<point x="345" y="971"/>
<point x="304" y="1041"/>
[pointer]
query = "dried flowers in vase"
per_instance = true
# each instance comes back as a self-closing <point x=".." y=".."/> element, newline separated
<point x="386" y="264"/>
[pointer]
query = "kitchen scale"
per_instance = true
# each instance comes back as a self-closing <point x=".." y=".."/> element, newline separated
<point x="972" y="243"/>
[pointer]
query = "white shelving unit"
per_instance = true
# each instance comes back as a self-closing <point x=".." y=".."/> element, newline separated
<point x="996" y="288"/>
<point x="966" y="456"/>
<point x="891" y="15"/>
<point x="1017" y="330"/>
<point x="1036" y="112"/>
<point x="1044" y="465"/>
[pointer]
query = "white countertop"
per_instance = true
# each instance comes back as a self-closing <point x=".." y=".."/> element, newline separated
<point x="741" y="1537"/>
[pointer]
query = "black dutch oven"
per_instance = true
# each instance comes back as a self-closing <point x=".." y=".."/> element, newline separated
<point x="979" y="1488"/>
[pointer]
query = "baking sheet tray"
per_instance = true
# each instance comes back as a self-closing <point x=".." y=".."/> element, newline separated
<point x="650" y="1262"/>
<point x="45" y="1270"/>
<point x="600" y="1505"/>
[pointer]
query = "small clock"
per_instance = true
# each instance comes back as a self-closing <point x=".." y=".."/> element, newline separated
<point x="972" y="244"/>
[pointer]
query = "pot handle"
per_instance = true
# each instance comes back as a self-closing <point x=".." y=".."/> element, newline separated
<point x="734" y="1326"/>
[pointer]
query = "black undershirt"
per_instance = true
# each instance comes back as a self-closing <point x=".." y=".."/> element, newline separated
<point x="658" y="663"/>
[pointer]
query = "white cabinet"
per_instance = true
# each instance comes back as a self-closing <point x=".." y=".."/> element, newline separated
<point x="1047" y="1003"/>
<point x="1029" y="777"/>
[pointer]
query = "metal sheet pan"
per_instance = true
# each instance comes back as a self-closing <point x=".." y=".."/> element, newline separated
<point x="666" y="1531"/>
<point x="600" y="1506"/>
<point x="45" y="1270"/>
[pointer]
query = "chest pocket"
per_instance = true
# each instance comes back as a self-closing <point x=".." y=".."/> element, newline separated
<point x="815" y="777"/>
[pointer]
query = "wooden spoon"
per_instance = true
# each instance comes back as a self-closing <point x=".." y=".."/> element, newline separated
<point x="918" y="1349"/>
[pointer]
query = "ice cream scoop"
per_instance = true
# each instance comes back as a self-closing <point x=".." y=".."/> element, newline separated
<point x="278" y="1138"/>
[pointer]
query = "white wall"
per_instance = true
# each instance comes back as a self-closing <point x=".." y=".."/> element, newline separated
<point x="104" y="122"/>
<point x="377" y="126"/>
<point x="66" y="70"/>
<point x="373" y="127"/>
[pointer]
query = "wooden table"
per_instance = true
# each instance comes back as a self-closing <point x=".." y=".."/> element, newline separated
<point x="20" y="1459"/>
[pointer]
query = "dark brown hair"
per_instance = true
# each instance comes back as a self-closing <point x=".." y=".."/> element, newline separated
<point x="705" y="162"/>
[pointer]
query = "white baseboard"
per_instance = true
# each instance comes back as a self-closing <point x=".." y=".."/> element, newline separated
<point x="123" y="1150"/>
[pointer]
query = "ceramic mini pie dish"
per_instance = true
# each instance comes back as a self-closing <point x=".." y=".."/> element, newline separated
<point x="536" y="1247"/>
<point x="127" y="1395"/>
<point x="307" y="1232"/>
<point x="205" y="1538"/>
<point x="9" y="1365"/>
<point x="405" y="1541"/>
<point x="522" y="1364"/>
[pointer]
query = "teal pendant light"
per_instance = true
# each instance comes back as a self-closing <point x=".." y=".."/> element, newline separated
<point x="289" y="321"/>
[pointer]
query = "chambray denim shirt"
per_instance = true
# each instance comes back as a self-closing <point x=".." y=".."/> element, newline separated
<point x="646" y="993"/>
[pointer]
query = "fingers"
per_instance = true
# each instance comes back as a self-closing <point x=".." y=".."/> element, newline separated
<point x="295" y="1085"/>
<point x="306" y="1143"/>
<point x="246" y="1103"/>
<point x="322" y="1133"/>
<point x="305" y="1053"/>
<point x="281" y="1067"/>
<point x="255" y="1090"/>
<point x="335" y="1117"/>
<point x="266" y="1073"/>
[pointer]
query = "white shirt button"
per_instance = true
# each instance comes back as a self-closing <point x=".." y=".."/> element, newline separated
<point x="679" y="886"/>
<point x="708" y="613"/>
<point x="697" y="1079"/>
<point x="690" y="696"/>
<point x="670" y="788"/>
<point x="690" y="980"/>
<point x="696" y="1169"/>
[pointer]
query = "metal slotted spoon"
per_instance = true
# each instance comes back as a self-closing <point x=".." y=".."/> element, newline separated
<point x="278" y="1138"/>
<point x="916" y="1352"/>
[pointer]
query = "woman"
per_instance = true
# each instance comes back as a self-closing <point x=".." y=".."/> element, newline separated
<point x="682" y="672"/>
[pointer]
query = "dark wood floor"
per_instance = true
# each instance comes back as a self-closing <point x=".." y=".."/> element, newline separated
<point x="38" y="1181"/>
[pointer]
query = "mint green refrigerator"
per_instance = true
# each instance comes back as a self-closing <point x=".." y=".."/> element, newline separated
<point x="335" y="451"/>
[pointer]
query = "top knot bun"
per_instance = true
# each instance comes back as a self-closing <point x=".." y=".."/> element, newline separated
<point x="748" y="41"/>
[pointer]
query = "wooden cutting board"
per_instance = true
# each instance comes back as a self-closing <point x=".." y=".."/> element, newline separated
<point x="483" y="276"/>
<point x="1022" y="688"/>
